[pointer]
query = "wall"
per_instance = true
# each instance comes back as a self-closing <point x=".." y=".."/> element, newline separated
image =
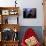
<point x="31" y="4"/>
<point x="12" y="20"/>
<point x="7" y="3"/>
<point x="27" y="4"/>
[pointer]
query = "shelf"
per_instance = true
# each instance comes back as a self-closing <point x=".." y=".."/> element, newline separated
<point x="10" y="26"/>
<point x="5" y="12"/>
<point x="5" y="8"/>
<point x="5" y="20"/>
<point x="9" y="10"/>
<point x="11" y="41"/>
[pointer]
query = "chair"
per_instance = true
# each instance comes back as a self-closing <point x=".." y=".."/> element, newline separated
<point x="28" y="34"/>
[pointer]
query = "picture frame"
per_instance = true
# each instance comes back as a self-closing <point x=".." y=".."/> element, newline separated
<point x="29" y="13"/>
<point x="13" y="12"/>
<point x="5" y="12"/>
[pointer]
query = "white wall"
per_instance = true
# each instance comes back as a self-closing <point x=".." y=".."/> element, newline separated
<point x="12" y="20"/>
<point x="31" y="4"/>
<point x="7" y="3"/>
<point x="27" y="4"/>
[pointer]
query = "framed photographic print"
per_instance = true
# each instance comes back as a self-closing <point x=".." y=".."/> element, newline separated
<point x="5" y="12"/>
<point x="13" y="12"/>
<point x="29" y="13"/>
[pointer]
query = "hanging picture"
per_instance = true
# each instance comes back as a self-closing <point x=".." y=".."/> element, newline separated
<point x="29" y="13"/>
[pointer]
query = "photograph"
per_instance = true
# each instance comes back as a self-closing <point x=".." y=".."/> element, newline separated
<point x="29" y="13"/>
